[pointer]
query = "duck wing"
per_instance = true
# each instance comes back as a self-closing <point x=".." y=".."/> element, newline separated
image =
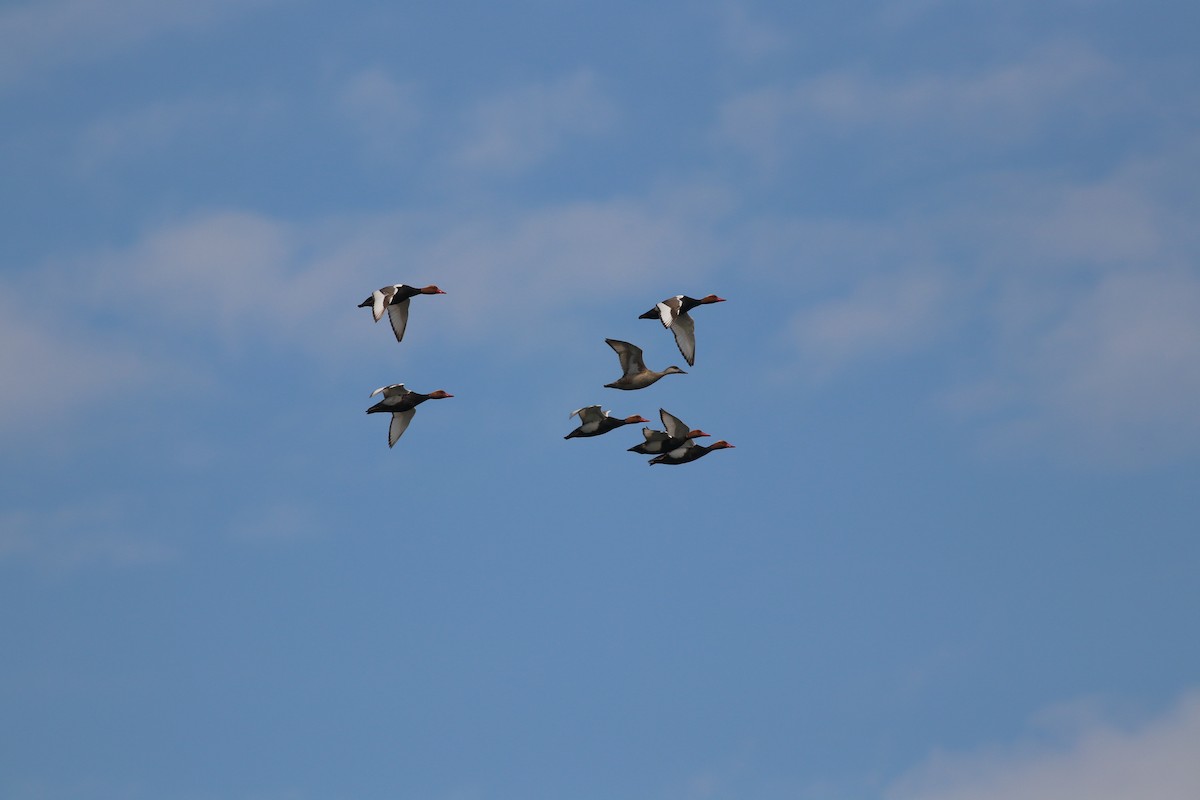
<point x="400" y="420"/>
<point x="674" y="426"/>
<point x="630" y="355"/>
<point x="390" y="391"/>
<point x="379" y="301"/>
<point x="654" y="442"/>
<point x="682" y="450"/>
<point x="398" y="315"/>
<point x="669" y="310"/>
<point x="654" y="437"/>
<point x="589" y="414"/>
<point x="684" y="328"/>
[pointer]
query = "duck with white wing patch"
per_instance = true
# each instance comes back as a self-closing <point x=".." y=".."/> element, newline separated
<point x="394" y="299"/>
<point x="402" y="404"/>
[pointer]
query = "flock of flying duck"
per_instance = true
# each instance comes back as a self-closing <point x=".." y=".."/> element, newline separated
<point x="673" y="445"/>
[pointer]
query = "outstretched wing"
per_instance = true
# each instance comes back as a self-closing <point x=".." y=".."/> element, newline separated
<point x="673" y="424"/>
<point x="398" y="315"/>
<point x="589" y="414"/>
<point x="400" y="420"/>
<point x="684" y="329"/>
<point x="379" y="301"/>
<point x="390" y="391"/>
<point x="668" y="310"/>
<point x="654" y="436"/>
<point x="630" y="355"/>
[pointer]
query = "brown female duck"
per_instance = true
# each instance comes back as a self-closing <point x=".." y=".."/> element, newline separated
<point x="635" y="376"/>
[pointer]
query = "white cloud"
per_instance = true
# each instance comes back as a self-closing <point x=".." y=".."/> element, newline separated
<point x="217" y="271"/>
<point x="237" y="276"/>
<point x="49" y="33"/>
<point x="1094" y="311"/>
<point x="155" y="129"/>
<point x="748" y="37"/>
<point x="882" y="314"/>
<point x="518" y="128"/>
<point x="1099" y="762"/>
<point x="1005" y="103"/>
<point x="1043" y="226"/>
<point x="50" y="362"/>
<point x="1079" y="298"/>
<point x="1114" y="378"/>
<point x="555" y="261"/>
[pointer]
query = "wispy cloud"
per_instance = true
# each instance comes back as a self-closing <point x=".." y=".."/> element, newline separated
<point x="49" y="362"/>
<point x="748" y="36"/>
<point x="1095" y="302"/>
<point x="891" y="313"/>
<point x="41" y="35"/>
<point x="1078" y="296"/>
<point x="1114" y="379"/>
<point x="1098" y="761"/>
<point x="216" y="272"/>
<point x="166" y="128"/>
<point x="237" y="276"/>
<point x="523" y="126"/>
<point x="1000" y="105"/>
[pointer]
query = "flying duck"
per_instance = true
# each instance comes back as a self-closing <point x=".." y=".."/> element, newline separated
<point x="665" y="441"/>
<point x="673" y="313"/>
<point x="690" y="451"/>
<point x="395" y="299"/>
<point x="593" y="422"/>
<point x="635" y="376"/>
<point x="402" y="404"/>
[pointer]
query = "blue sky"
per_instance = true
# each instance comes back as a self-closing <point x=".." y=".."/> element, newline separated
<point x="954" y="555"/>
